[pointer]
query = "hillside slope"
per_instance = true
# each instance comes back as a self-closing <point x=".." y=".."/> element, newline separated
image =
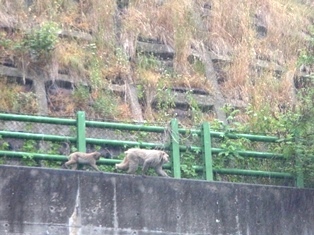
<point x="153" y="60"/>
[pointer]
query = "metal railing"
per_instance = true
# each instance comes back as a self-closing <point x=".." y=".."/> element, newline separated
<point x="174" y="145"/>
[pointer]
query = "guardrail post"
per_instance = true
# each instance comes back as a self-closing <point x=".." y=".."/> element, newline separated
<point x="81" y="131"/>
<point x="175" y="148"/>
<point x="299" y="165"/>
<point x="207" y="152"/>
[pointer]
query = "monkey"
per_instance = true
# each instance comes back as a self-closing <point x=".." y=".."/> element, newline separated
<point x="146" y="158"/>
<point x="83" y="158"/>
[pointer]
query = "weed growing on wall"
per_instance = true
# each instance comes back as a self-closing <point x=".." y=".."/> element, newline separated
<point x="148" y="62"/>
<point x="14" y="99"/>
<point x="95" y="73"/>
<point x="5" y="43"/>
<point x="25" y="103"/>
<point x="196" y="112"/>
<point x="81" y="94"/>
<point x="105" y="104"/>
<point x="164" y="102"/>
<point x="188" y="160"/>
<point x="40" y="42"/>
<point x="29" y="146"/>
<point x="4" y="145"/>
<point x="230" y="157"/>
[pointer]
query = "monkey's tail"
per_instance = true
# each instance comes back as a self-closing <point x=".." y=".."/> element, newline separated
<point x="124" y="161"/>
<point x="124" y="165"/>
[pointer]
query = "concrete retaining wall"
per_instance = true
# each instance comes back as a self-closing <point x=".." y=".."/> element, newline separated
<point x="38" y="201"/>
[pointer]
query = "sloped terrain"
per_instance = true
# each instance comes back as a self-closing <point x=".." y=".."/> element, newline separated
<point x="153" y="60"/>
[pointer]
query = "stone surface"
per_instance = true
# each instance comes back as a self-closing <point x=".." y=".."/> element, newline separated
<point x="36" y="201"/>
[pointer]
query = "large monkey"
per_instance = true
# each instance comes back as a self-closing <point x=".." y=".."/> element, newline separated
<point x="146" y="158"/>
<point x="83" y="158"/>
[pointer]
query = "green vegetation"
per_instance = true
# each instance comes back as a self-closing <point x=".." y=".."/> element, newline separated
<point x="40" y="42"/>
<point x="100" y="51"/>
<point x="94" y="45"/>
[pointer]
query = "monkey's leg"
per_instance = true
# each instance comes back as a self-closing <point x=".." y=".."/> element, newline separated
<point x="74" y="167"/>
<point x="132" y="167"/>
<point x="94" y="166"/>
<point x="145" y="167"/>
<point x="70" y="162"/>
<point x="160" y="172"/>
<point x="152" y="161"/>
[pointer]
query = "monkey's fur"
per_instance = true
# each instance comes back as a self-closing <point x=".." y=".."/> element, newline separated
<point x="146" y="158"/>
<point x="83" y="158"/>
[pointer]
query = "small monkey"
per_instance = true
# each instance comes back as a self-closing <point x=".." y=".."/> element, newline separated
<point x="146" y="158"/>
<point x="83" y="158"/>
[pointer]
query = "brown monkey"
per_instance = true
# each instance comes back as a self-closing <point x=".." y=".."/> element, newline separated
<point x="146" y="158"/>
<point x="83" y="158"/>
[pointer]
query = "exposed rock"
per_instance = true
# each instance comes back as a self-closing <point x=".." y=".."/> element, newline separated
<point x="183" y="100"/>
<point x="40" y="91"/>
<point x="192" y="90"/>
<point x="76" y="35"/>
<point x="159" y="50"/>
<point x="268" y="65"/>
<point x="10" y="71"/>
<point x="260" y="24"/>
<point x="237" y="104"/>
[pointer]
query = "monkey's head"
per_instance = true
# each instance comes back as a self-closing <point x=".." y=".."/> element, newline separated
<point x="97" y="155"/>
<point x="164" y="157"/>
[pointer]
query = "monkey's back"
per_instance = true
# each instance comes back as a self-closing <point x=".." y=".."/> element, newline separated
<point x="84" y="158"/>
<point x="140" y="155"/>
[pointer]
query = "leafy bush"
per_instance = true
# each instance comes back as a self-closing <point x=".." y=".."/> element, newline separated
<point x="41" y="41"/>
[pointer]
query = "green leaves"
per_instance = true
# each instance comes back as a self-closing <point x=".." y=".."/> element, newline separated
<point x="42" y="40"/>
<point x="188" y="159"/>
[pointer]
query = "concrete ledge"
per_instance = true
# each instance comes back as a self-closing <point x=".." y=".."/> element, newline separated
<point x="37" y="201"/>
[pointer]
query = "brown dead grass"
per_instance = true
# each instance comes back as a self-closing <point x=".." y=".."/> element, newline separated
<point x="71" y="56"/>
<point x="123" y="112"/>
<point x="16" y="98"/>
<point x="228" y="29"/>
<point x="233" y="23"/>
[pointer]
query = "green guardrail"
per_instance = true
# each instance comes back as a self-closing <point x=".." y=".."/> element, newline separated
<point x="174" y="145"/>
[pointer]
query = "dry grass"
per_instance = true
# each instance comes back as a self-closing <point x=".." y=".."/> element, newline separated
<point x="61" y="105"/>
<point x="16" y="98"/>
<point x="123" y="112"/>
<point x="72" y="57"/>
<point x="227" y="29"/>
<point x="8" y="95"/>
<point x="233" y="23"/>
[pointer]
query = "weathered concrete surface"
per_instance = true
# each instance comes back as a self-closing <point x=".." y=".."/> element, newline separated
<point x="37" y="201"/>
